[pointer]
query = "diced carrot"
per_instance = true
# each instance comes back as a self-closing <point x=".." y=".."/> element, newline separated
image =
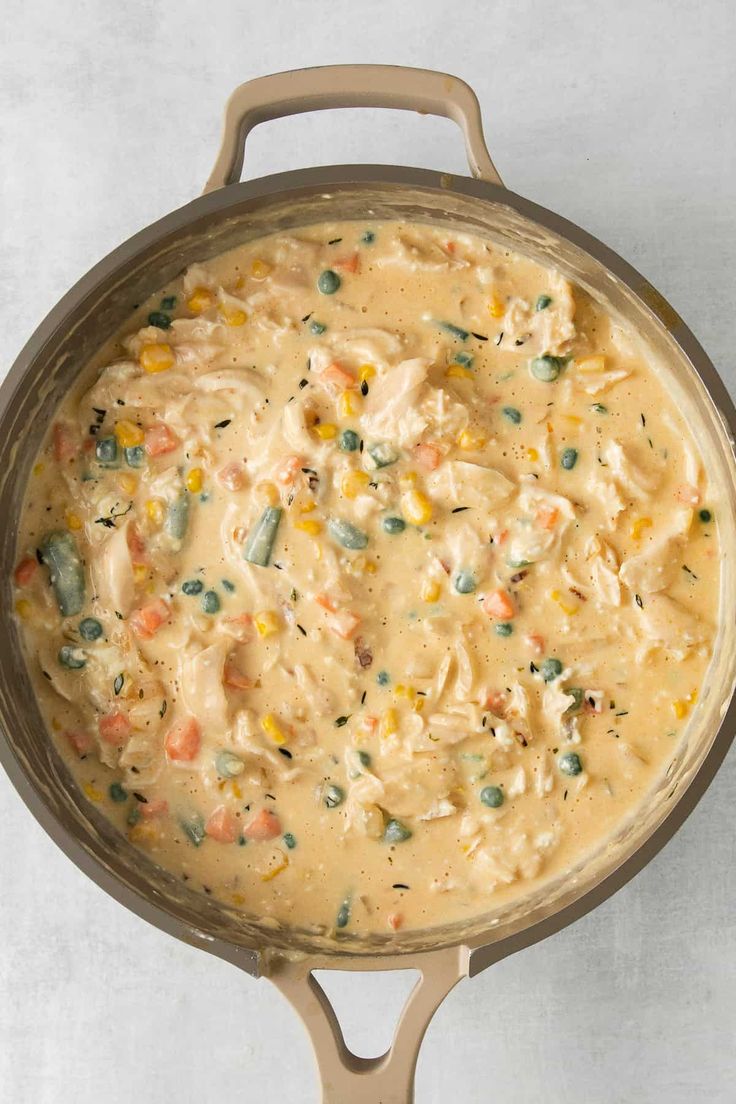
<point x="288" y="469"/>
<point x="232" y="476"/>
<point x="114" y="728"/>
<point x="428" y="456"/>
<point x="450" y="246"/>
<point x="146" y="621"/>
<point x="497" y="603"/>
<point x="156" y="807"/>
<point x="326" y="602"/>
<point x="344" y="623"/>
<point x="183" y="740"/>
<point x="222" y="825"/>
<point x="25" y="571"/>
<point x="66" y="445"/>
<point x="348" y="264"/>
<point x="687" y="494"/>
<point x="337" y="378"/>
<point x="265" y="825"/>
<point x="160" y="439"/>
<point x="234" y="678"/>
<point x="547" y="517"/>
<point x="496" y="702"/>
<point x="81" y="741"/>
<point x="242" y="627"/>
<point x="395" y="920"/>
<point x="535" y="643"/>
<point x="502" y="537"/>
<point x="136" y="544"/>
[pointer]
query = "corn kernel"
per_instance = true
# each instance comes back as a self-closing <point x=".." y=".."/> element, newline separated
<point x="128" y="434"/>
<point x="195" y="478"/>
<point x="127" y="483"/>
<point x="416" y="507"/>
<point x="310" y="526"/>
<point x="266" y="623"/>
<point x="680" y="708"/>
<point x="639" y="525"/>
<point x="143" y="832"/>
<point x="237" y="898"/>
<point x="564" y="606"/>
<point x="233" y="316"/>
<point x="326" y="431"/>
<point x="591" y="364"/>
<point x="389" y="724"/>
<point x="353" y="482"/>
<point x="268" y="493"/>
<point x="418" y="704"/>
<point x="37" y="469"/>
<point x="92" y="793"/>
<point x="348" y="404"/>
<point x="457" y="371"/>
<point x="156" y="358"/>
<point x="692" y="697"/>
<point x="470" y="440"/>
<point x="155" y="510"/>
<point x="259" y="270"/>
<point x="23" y="608"/>
<point x="200" y="300"/>
<point x="236" y="790"/>
<point x="308" y="506"/>
<point x="532" y="454"/>
<point x="495" y="308"/>
<point x="366" y="372"/>
<point x="140" y="571"/>
<point x="73" y="521"/>
<point x="56" y="724"/>
<point x="271" y="727"/>
<point x="430" y="591"/>
<point x="572" y="418"/>
<point x="370" y="567"/>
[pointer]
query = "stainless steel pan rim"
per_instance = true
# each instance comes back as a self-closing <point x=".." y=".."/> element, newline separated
<point x="199" y="228"/>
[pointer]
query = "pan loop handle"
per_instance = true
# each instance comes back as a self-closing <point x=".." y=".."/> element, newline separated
<point x="330" y="86"/>
<point x="388" y="1079"/>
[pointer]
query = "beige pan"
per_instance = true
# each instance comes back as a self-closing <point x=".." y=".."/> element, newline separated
<point x="231" y="213"/>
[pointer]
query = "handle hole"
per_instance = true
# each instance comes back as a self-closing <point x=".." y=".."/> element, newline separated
<point x="367" y="1005"/>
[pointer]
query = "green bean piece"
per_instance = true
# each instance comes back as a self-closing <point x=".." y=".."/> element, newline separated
<point x="383" y="454"/>
<point x="456" y="331"/>
<point x="60" y="555"/>
<point x="570" y="763"/>
<point x="260" y="542"/>
<point x="343" y="914"/>
<point x="159" y="319"/>
<point x="177" y="516"/>
<point x="333" y="795"/>
<point x="193" y="828"/>
<point x="550" y="669"/>
<point x="569" y="458"/>
<point x="503" y="628"/>
<point x="72" y="658"/>
<point x="349" y="441"/>
<point x="578" y="694"/>
<point x="106" y="451"/>
<point x="134" y="456"/>
<point x="117" y="793"/>
<point x="395" y="831"/>
<point x="512" y="414"/>
<point x="289" y="840"/>
<point x="346" y="534"/>
<point x="228" y="764"/>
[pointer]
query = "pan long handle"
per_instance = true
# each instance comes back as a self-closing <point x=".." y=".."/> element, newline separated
<point x="389" y="1079"/>
<point x="329" y="86"/>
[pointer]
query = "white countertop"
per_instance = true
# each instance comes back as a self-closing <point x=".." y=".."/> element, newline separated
<point x="625" y="123"/>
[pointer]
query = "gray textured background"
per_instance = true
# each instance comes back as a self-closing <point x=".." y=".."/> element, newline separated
<point x="620" y="116"/>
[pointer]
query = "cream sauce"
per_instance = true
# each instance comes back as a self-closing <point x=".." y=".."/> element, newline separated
<point x="464" y="701"/>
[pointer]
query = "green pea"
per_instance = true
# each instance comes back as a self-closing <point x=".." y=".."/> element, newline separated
<point x="393" y="524"/>
<point x="106" y="451"/>
<point x="503" y="628"/>
<point x="159" y="319"/>
<point x="492" y="796"/>
<point x="348" y="441"/>
<point x="117" y="793"/>
<point x="464" y="582"/>
<point x="90" y="629"/>
<point x="550" y="669"/>
<point x="228" y="764"/>
<point x="228" y="586"/>
<point x="396" y="832"/>
<point x="705" y="516"/>
<point x="317" y="328"/>
<point x="570" y="763"/>
<point x="364" y="758"/>
<point x="134" y="815"/>
<point x="134" y="456"/>
<point x="343" y="915"/>
<point x="368" y="237"/>
<point x="578" y="694"/>
<point x="569" y="458"/>
<point x="333" y="795"/>
<point x="543" y="302"/>
<point x="71" y="657"/>
<point x="328" y="282"/>
<point x="289" y="840"/>
<point x="383" y="678"/>
<point x="192" y="586"/>
<point x="210" y="601"/>
<point x="547" y="368"/>
<point x="464" y="359"/>
<point x="168" y="302"/>
<point x="512" y="414"/>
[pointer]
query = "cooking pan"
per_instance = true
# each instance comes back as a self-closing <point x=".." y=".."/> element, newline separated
<point x="230" y="213"/>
